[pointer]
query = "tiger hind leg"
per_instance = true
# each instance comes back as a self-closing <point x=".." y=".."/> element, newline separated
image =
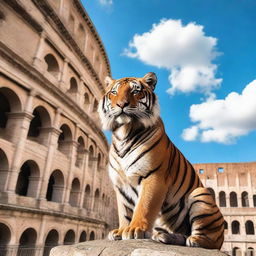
<point x="163" y="236"/>
<point x="206" y="220"/>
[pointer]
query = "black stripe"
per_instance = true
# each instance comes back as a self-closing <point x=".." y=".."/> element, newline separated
<point x="172" y="207"/>
<point x="198" y="201"/>
<point x="174" y="218"/>
<point x="171" y="160"/>
<point x="134" y="190"/>
<point x="183" y="178"/>
<point x="128" y="218"/>
<point x="148" y="174"/>
<point x="145" y="152"/>
<point x="158" y="229"/>
<point x="203" y="194"/>
<point x="210" y="224"/>
<point x="198" y="217"/>
<point x="127" y="198"/>
<point x="112" y="166"/>
<point x="221" y="235"/>
<point x="177" y="170"/>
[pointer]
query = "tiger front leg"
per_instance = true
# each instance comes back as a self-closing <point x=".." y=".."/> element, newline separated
<point x="152" y="195"/>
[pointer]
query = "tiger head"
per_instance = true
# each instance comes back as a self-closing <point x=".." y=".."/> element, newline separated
<point x="129" y="100"/>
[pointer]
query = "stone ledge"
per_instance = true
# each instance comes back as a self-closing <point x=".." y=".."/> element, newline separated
<point x="143" y="247"/>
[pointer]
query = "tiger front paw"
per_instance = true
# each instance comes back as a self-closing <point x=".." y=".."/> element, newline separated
<point x="133" y="232"/>
<point x="115" y="234"/>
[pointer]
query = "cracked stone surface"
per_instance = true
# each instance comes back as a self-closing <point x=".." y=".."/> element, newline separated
<point x="142" y="247"/>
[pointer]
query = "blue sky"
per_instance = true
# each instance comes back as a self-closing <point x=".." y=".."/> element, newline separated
<point x="204" y="55"/>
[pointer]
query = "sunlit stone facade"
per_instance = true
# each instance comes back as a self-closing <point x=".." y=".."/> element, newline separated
<point x="54" y="188"/>
<point x="234" y="187"/>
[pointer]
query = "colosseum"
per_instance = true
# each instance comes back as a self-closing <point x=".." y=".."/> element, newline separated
<point x="234" y="188"/>
<point x="54" y="188"/>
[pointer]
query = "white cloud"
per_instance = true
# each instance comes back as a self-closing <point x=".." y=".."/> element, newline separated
<point x="106" y="2"/>
<point x="224" y="120"/>
<point x="184" y="50"/>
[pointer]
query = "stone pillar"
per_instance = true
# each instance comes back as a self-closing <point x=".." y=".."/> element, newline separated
<point x="25" y="119"/>
<point x="54" y="135"/>
<point x="37" y="60"/>
<point x="250" y="189"/>
<point x="63" y="73"/>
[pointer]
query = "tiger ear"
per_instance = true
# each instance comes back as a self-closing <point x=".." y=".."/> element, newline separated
<point x="150" y="79"/>
<point x="108" y="80"/>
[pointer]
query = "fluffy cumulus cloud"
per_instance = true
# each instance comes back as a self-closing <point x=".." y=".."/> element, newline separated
<point x="184" y="50"/>
<point x="106" y="2"/>
<point x="224" y="120"/>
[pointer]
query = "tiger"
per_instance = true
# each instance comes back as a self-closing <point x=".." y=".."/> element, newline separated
<point x="159" y="194"/>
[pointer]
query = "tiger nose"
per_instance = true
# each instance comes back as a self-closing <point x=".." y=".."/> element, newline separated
<point x="122" y="104"/>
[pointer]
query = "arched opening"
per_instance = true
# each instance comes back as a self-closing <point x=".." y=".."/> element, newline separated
<point x="74" y="193"/>
<point x="10" y="103"/>
<point x="99" y="162"/>
<point x="86" y="101"/>
<point x="91" y="157"/>
<point x="102" y="235"/>
<point x="236" y="251"/>
<point x="87" y="197"/>
<point x="96" y="200"/>
<point x="4" y="168"/>
<point x="95" y="106"/>
<point x="245" y="199"/>
<point x="212" y="192"/>
<point x="82" y="237"/>
<point x="233" y="199"/>
<point x="254" y="200"/>
<point x="52" y="65"/>
<point x="70" y="237"/>
<point x="73" y="88"/>
<point x="65" y="140"/>
<point x="37" y="129"/>
<point x="80" y="152"/>
<point x="27" y="243"/>
<point x="235" y="227"/>
<point x="225" y="227"/>
<point x="28" y="179"/>
<point x="51" y="241"/>
<point x="5" y="237"/>
<point x="249" y="227"/>
<point x="250" y="251"/>
<point x="92" y="236"/>
<point x="81" y="36"/>
<point x="55" y="187"/>
<point x="222" y="199"/>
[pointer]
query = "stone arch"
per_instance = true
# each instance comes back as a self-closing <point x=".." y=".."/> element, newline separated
<point x="10" y="103"/>
<point x="27" y="242"/>
<point x="254" y="200"/>
<point x="235" y="227"/>
<point x="95" y="105"/>
<point x="87" y="197"/>
<point x="92" y="236"/>
<point x="70" y="237"/>
<point x="249" y="227"/>
<point x="73" y="86"/>
<point x="96" y="200"/>
<point x="5" y="237"/>
<point x="245" y="199"/>
<point x="81" y="35"/>
<point x="211" y="190"/>
<point x="38" y="126"/>
<point x="55" y="188"/>
<point x="52" y="65"/>
<point x="86" y="101"/>
<point x="250" y="251"/>
<point x="28" y="179"/>
<point x="4" y="169"/>
<point x="222" y="199"/>
<point x="74" y="193"/>
<point x="65" y="139"/>
<point x="225" y="227"/>
<point x="99" y="162"/>
<point x="91" y="156"/>
<point x="82" y="237"/>
<point x="233" y="199"/>
<point x="236" y="251"/>
<point x="80" y="151"/>
<point x="51" y="241"/>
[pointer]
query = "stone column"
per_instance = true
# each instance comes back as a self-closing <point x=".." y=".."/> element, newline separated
<point x="25" y="119"/>
<point x="250" y="189"/>
<point x="63" y="73"/>
<point x="54" y="135"/>
<point x="37" y="60"/>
